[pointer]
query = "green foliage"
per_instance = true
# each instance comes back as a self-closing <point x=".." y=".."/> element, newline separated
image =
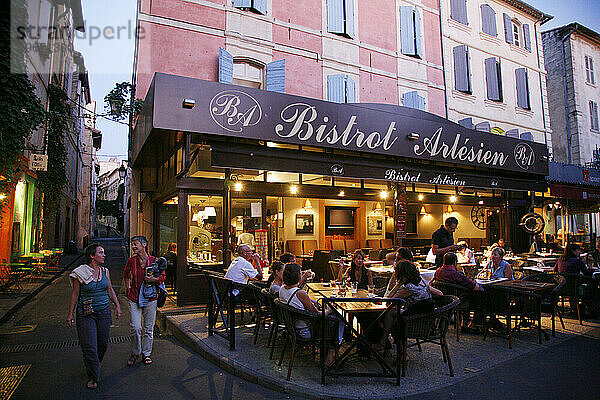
<point x="52" y="181"/>
<point x="119" y="103"/>
<point x="21" y="111"/>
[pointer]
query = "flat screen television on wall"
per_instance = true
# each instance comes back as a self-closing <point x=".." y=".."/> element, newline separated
<point x="339" y="220"/>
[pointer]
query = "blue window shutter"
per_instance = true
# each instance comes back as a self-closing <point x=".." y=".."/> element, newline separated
<point x="462" y="80"/>
<point x="242" y="3"/>
<point x="225" y="66"/>
<point x="349" y="17"/>
<point x="466" y="123"/>
<point x="527" y="136"/>
<point x="458" y="11"/>
<point x="492" y="79"/>
<point x="418" y="38"/>
<point x="409" y="99"/>
<point x="276" y="76"/>
<point x="508" y="29"/>
<point x="407" y="30"/>
<point x="526" y="37"/>
<point x="514" y="133"/>
<point x="335" y="16"/>
<point x="421" y="103"/>
<point x="483" y="127"/>
<point x="336" y="88"/>
<point x="488" y="20"/>
<point x="350" y="90"/>
<point x="522" y="88"/>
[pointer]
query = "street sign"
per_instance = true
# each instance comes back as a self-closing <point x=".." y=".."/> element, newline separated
<point x="38" y="162"/>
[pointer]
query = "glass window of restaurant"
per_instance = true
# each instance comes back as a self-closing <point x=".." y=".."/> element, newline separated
<point x="205" y="231"/>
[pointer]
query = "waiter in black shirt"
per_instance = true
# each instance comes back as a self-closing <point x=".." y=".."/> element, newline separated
<point x="442" y="240"/>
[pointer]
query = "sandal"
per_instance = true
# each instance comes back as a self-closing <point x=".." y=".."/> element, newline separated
<point x="91" y="384"/>
<point x="147" y="360"/>
<point x="131" y="361"/>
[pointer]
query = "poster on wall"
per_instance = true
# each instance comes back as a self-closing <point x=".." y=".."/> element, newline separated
<point x="401" y="208"/>
<point x="304" y="223"/>
<point x="374" y="225"/>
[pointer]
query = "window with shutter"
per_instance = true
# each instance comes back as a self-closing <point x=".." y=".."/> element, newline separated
<point x="514" y="133"/>
<point x="522" y="88"/>
<point x="466" y="123"/>
<point x="462" y="73"/>
<point x="526" y="37"/>
<point x="483" y="127"/>
<point x="225" y="66"/>
<point x="44" y="21"/>
<point x="276" y="76"/>
<point x="341" y="89"/>
<point x="458" y="11"/>
<point x="508" y="28"/>
<point x="493" y="79"/>
<point x="410" y="31"/>
<point x="589" y="70"/>
<point x="340" y="17"/>
<point x="516" y="35"/>
<point x="488" y="20"/>
<point x="593" y="115"/>
<point x="258" y="6"/>
<point x="413" y="100"/>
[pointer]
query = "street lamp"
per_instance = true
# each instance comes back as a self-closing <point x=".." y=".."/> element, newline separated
<point x="122" y="171"/>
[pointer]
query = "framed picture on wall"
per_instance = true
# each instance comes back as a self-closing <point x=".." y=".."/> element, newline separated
<point x="374" y="225"/>
<point x="304" y="223"/>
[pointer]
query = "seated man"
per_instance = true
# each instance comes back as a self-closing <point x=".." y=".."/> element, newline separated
<point x="242" y="269"/>
<point x="450" y="274"/>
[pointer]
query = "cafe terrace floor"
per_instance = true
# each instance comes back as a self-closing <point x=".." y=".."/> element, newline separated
<point x="426" y="370"/>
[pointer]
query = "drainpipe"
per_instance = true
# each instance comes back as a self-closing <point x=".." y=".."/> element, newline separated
<point x="537" y="49"/>
<point x="443" y="61"/>
<point x="562" y="48"/>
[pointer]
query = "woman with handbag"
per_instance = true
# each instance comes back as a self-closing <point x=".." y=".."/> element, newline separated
<point x="90" y="297"/>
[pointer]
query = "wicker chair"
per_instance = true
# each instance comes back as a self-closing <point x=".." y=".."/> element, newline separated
<point x="578" y="288"/>
<point x="428" y="327"/>
<point x="262" y="310"/>
<point x="463" y="294"/>
<point x="313" y="322"/>
<point x="550" y="300"/>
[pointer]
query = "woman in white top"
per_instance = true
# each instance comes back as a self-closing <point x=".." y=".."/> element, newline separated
<point x="464" y="254"/>
<point x="295" y="297"/>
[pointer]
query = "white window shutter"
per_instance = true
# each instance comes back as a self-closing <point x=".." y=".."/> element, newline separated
<point x="335" y="16"/>
<point x="407" y="30"/>
<point x="225" y="66"/>
<point x="350" y="90"/>
<point x="276" y="76"/>
<point x="508" y="29"/>
<point x="349" y="17"/>
<point x="242" y="3"/>
<point x="527" y="37"/>
<point x="458" y="11"/>
<point x="336" y="88"/>
<point x="44" y="21"/>
<point x="418" y="38"/>
<point x="488" y="20"/>
<point x="483" y="127"/>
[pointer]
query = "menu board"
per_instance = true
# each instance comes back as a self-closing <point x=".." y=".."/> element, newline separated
<point x="401" y="205"/>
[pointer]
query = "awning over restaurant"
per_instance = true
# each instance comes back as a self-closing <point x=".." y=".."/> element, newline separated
<point x="416" y="146"/>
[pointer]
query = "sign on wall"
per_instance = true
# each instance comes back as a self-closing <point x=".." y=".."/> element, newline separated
<point x="38" y="162"/>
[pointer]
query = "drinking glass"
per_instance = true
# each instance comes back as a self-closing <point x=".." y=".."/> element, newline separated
<point x="354" y="288"/>
<point x="371" y="288"/>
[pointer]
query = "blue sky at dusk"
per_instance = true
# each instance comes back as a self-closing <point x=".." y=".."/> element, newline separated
<point x="110" y="60"/>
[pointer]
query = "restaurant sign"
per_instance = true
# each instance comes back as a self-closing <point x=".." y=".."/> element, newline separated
<point x="375" y="128"/>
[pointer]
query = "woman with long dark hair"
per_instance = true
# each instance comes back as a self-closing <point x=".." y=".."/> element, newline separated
<point x="90" y="297"/>
<point x="357" y="272"/>
<point x="570" y="263"/>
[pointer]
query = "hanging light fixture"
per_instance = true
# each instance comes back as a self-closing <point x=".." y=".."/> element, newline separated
<point x="341" y="193"/>
<point x="383" y="194"/>
<point x="421" y="197"/>
<point x="450" y="209"/>
<point x="452" y="198"/>
<point x="423" y="210"/>
<point x="210" y="211"/>
<point x="237" y="186"/>
<point x="378" y="207"/>
<point x="293" y="189"/>
<point x="307" y="205"/>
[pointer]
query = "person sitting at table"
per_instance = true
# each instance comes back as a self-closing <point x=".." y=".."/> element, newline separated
<point x="389" y="258"/>
<point x="570" y="263"/>
<point x="416" y="293"/>
<point x="593" y="257"/>
<point x="275" y="281"/>
<point x="498" y="268"/>
<point x="402" y="254"/>
<point x="449" y="273"/>
<point x="242" y="268"/>
<point x="287" y="258"/>
<point x="291" y="294"/>
<point x="357" y="271"/>
<point x="464" y="254"/>
<point x="500" y="243"/>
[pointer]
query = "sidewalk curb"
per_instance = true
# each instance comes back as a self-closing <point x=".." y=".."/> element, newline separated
<point x="31" y="295"/>
<point x="237" y="369"/>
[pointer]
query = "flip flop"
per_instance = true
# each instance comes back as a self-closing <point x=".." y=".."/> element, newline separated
<point x="147" y="360"/>
<point x="91" y="384"/>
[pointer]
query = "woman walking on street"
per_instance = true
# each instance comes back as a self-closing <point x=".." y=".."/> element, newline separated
<point x="90" y="298"/>
<point x="135" y="274"/>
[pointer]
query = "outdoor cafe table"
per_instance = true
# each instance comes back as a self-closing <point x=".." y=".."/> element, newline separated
<point x="426" y="274"/>
<point x="346" y="306"/>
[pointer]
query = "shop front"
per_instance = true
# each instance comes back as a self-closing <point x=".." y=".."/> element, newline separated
<point x="224" y="165"/>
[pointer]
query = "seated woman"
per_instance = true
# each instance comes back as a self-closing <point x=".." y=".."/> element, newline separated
<point x="275" y="281"/>
<point x="415" y="292"/>
<point x="357" y="272"/>
<point x="403" y="254"/>
<point x="464" y="254"/>
<point x="570" y="263"/>
<point x="498" y="268"/>
<point x="295" y="297"/>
